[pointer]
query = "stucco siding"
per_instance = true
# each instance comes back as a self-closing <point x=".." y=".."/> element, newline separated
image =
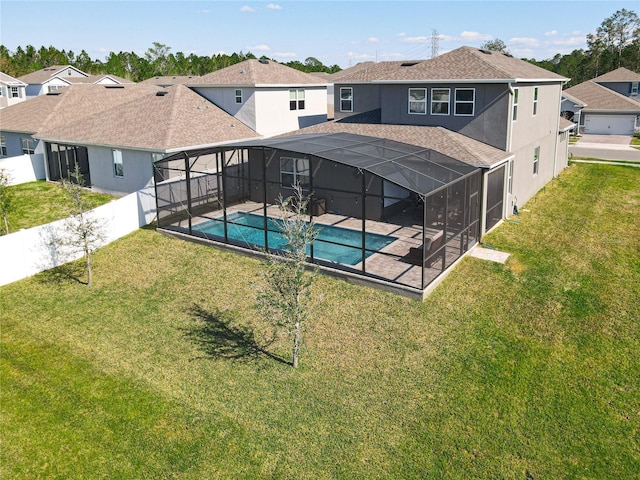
<point x="488" y="123"/>
<point x="273" y="115"/>
<point x="137" y="167"/>
<point x="365" y="99"/>
<point x="225" y="98"/>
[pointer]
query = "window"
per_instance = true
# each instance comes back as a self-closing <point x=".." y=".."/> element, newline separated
<point x="346" y="99"/>
<point x="418" y="101"/>
<point x="3" y="146"/>
<point x="535" y="100"/>
<point x="238" y="96"/>
<point x="510" y="177"/>
<point x="15" y="92"/>
<point x="55" y="88"/>
<point x="440" y="101"/>
<point x="515" y="104"/>
<point x="1" y="91"/>
<point x="634" y="88"/>
<point x="465" y="101"/>
<point x="536" y="158"/>
<point x="294" y="171"/>
<point x="296" y="99"/>
<point x="28" y="145"/>
<point x="118" y="166"/>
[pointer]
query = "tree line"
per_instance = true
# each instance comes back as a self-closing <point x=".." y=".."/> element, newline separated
<point x="158" y="60"/>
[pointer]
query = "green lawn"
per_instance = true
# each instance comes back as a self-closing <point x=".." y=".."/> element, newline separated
<point x="524" y="370"/>
<point x="38" y="203"/>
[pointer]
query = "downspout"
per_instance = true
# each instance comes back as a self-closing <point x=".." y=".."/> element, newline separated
<point x="555" y="153"/>
<point x="513" y="94"/>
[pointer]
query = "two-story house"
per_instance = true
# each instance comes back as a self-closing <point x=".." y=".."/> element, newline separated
<point x="422" y="159"/>
<point x="268" y="97"/>
<point x="607" y="105"/>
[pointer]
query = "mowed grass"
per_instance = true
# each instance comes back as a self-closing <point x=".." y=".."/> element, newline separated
<point x="41" y="202"/>
<point x="524" y="370"/>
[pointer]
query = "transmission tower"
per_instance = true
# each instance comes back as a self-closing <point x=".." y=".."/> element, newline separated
<point x="435" y="43"/>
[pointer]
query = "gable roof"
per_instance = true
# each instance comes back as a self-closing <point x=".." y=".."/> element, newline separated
<point x="439" y="139"/>
<point x="162" y="120"/>
<point x="576" y="102"/>
<point x="599" y="98"/>
<point x="68" y="105"/>
<point x="466" y="64"/>
<point x="9" y="80"/>
<point x="171" y="79"/>
<point x="371" y="71"/>
<point x="47" y="73"/>
<point x="619" y="75"/>
<point x="257" y="73"/>
<point x="96" y="78"/>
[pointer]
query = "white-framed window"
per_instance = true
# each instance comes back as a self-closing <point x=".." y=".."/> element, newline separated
<point x="118" y="165"/>
<point x="465" y="102"/>
<point x="15" y="92"/>
<point x="294" y="171"/>
<point x="238" y="95"/>
<point x="346" y="99"/>
<point x="1" y="91"/>
<point x="3" y="146"/>
<point x="510" y="176"/>
<point x="440" y="101"/>
<point x="296" y="99"/>
<point x="515" y="104"/>
<point x="54" y="88"/>
<point x="536" y="160"/>
<point x="418" y="101"/>
<point x="535" y="100"/>
<point x="634" y="88"/>
<point x="28" y="145"/>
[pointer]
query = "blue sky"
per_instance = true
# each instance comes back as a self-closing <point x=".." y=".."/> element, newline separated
<point x="335" y="32"/>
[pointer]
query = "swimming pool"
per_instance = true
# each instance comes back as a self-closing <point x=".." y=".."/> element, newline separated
<point x="335" y="244"/>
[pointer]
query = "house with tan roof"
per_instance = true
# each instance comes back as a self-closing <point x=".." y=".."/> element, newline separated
<point x="55" y="77"/>
<point x="12" y="90"/>
<point x="422" y="159"/>
<point x="621" y="80"/>
<point x="602" y="110"/>
<point x="268" y="97"/>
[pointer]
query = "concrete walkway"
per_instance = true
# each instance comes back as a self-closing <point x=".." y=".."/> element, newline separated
<point x="489" y="254"/>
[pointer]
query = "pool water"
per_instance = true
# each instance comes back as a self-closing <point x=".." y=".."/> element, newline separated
<point x="248" y="228"/>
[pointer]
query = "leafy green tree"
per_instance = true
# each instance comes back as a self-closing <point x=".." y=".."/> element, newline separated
<point x="495" y="45"/>
<point x="284" y="297"/>
<point x="619" y="32"/>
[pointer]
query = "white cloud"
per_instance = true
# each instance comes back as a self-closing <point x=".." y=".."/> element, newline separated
<point x="551" y="33"/>
<point x="475" y="36"/>
<point x="416" y="39"/>
<point x="274" y="6"/>
<point x="360" y="56"/>
<point x="568" y="42"/>
<point x="260" y="48"/>
<point x="372" y="40"/>
<point x="576" y="32"/>
<point x="524" y="41"/>
<point x="402" y="34"/>
<point x="285" y="54"/>
<point x="203" y="12"/>
<point x="247" y="9"/>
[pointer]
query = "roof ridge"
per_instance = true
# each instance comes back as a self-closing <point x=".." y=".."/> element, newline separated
<point x="619" y="95"/>
<point x="454" y="136"/>
<point x="479" y="54"/>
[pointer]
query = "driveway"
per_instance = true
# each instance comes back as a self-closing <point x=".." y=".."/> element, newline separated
<point x="608" y="139"/>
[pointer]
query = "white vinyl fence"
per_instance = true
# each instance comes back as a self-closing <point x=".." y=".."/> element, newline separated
<point x="27" y="252"/>
<point x="24" y="168"/>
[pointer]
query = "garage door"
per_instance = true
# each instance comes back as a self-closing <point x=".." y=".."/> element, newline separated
<point x="609" y="124"/>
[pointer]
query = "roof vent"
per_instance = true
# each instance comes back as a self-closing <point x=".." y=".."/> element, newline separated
<point x="53" y="93"/>
<point x="408" y="64"/>
<point x="486" y="52"/>
<point x="242" y="70"/>
<point x="114" y="86"/>
<point x="161" y="93"/>
<point x="264" y="61"/>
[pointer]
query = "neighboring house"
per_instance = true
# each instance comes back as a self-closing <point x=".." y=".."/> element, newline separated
<point x="116" y="147"/>
<point x="12" y="91"/>
<point x="169" y="80"/>
<point x="268" y="97"/>
<point x="621" y="80"/>
<point x="428" y="155"/>
<point x="330" y="79"/>
<point x="52" y="79"/>
<point x="571" y="109"/>
<point x="605" y="111"/>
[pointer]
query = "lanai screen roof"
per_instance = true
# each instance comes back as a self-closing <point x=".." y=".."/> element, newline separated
<point x="415" y="168"/>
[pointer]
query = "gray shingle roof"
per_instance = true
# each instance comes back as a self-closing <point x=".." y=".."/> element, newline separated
<point x="256" y="73"/>
<point x="464" y="63"/>
<point x="440" y="139"/>
<point x="44" y="75"/>
<point x="70" y="104"/>
<point x="619" y="75"/>
<point x="164" y="119"/>
<point x="601" y="98"/>
<point x="172" y="79"/>
<point x="9" y="80"/>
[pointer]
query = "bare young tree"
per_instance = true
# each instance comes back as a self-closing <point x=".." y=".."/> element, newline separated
<point x="83" y="233"/>
<point x="284" y="296"/>
<point x="6" y="199"/>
